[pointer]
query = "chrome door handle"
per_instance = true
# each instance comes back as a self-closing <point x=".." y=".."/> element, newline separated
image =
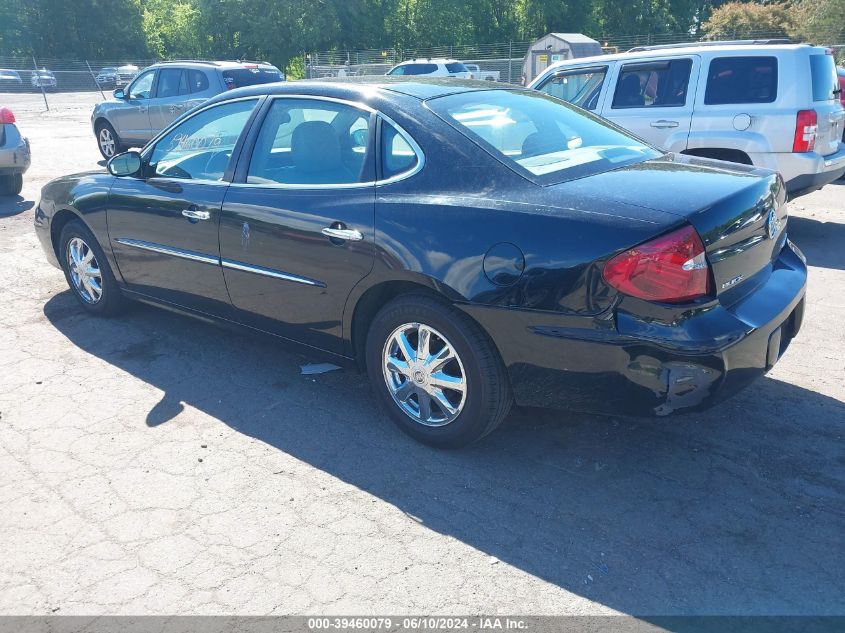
<point x="663" y="123"/>
<point x="193" y="214"/>
<point x="142" y="108"/>
<point x="350" y="235"/>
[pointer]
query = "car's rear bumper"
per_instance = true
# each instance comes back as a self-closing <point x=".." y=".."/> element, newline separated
<point x="624" y="365"/>
<point x="15" y="156"/>
<point x="807" y="172"/>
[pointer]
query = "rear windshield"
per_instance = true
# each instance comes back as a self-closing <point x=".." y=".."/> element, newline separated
<point x="546" y="140"/>
<point x="456" y="67"/>
<point x="823" y="75"/>
<point x="742" y="80"/>
<point x="414" y="69"/>
<point x="240" y="77"/>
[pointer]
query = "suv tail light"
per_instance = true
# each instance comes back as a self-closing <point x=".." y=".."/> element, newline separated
<point x="6" y="116"/>
<point x="806" y="128"/>
<point x="672" y="268"/>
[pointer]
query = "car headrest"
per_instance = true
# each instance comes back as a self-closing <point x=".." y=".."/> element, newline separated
<point x="315" y="147"/>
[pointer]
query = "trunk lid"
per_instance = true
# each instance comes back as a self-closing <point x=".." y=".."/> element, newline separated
<point x="739" y="211"/>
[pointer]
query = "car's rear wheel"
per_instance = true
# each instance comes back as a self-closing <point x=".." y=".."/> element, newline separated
<point x="436" y="372"/>
<point x="88" y="272"/>
<point x="107" y="140"/>
<point x="11" y="185"/>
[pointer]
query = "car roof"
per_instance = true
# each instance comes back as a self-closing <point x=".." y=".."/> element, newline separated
<point x="756" y="49"/>
<point x="223" y="64"/>
<point x="358" y="88"/>
<point x="429" y="60"/>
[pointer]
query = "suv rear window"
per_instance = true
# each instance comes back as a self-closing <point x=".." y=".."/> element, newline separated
<point x="742" y="80"/>
<point x="823" y="74"/>
<point x="240" y="77"/>
<point x="456" y="67"/>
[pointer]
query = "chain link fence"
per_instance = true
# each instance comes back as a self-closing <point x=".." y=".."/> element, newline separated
<point x="35" y="85"/>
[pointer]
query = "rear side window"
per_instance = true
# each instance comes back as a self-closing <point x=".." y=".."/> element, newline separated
<point x="823" y="75"/>
<point x="660" y="84"/>
<point x="197" y="81"/>
<point x="240" y="77"/>
<point x="397" y="155"/>
<point x="172" y="82"/>
<point x="742" y="80"/>
<point x="456" y="67"/>
<point x="414" y="69"/>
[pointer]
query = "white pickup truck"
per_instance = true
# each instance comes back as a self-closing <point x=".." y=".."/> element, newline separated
<point x="486" y="75"/>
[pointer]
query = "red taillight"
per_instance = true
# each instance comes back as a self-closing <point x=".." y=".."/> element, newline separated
<point x="672" y="268"/>
<point x="6" y="116"/>
<point x="806" y="128"/>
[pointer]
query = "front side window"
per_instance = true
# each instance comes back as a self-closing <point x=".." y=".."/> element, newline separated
<point x="200" y="147"/>
<point x="660" y="84"/>
<point x="542" y="138"/>
<point x="579" y="87"/>
<point x="311" y="142"/>
<point x="742" y="80"/>
<point x="143" y="86"/>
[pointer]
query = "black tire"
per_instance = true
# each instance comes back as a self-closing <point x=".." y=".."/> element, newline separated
<point x="118" y="145"/>
<point x="488" y="393"/>
<point x="11" y="185"/>
<point x="111" y="300"/>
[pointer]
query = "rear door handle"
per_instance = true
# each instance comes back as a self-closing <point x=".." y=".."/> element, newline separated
<point x="194" y="214"/>
<point x="349" y="235"/>
<point x="663" y="123"/>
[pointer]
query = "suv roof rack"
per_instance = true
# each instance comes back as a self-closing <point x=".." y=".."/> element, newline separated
<point x="769" y="42"/>
<point x="251" y="61"/>
<point x="188" y="61"/>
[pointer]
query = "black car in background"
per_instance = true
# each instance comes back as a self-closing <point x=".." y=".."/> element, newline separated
<point x="469" y="245"/>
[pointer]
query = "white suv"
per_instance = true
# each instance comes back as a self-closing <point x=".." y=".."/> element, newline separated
<point x="431" y="68"/>
<point x="772" y="105"/>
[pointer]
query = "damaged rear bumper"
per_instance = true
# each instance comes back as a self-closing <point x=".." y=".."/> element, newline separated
<point x="636" y="365"/>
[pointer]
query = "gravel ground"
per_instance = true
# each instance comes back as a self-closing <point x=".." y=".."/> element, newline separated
<point x="158" y="465"/>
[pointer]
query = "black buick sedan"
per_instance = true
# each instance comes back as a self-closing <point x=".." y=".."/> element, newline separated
<point x="469" y="245"/>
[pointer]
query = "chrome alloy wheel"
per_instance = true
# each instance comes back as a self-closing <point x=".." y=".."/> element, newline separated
<point x="84" y="271"/>
<point x="107" y="143"/>
<point x="424" y="374"/>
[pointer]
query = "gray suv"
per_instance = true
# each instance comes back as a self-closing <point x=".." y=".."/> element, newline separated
<point x="162" y="92"/>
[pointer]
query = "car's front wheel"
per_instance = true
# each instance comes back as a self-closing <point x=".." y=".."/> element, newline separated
<point x="11" y="185"/>
<point x="436" y="372"/>
<point x="107" y="140"/>
<point x="88" y="272"/>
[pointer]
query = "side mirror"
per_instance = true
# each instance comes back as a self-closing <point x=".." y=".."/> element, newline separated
<point x="125" y="164"/>
<point x="119" y="94"/>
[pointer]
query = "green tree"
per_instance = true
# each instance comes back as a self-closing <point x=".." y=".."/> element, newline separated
<point x="173" y="28"/>
<point x="738" y="20"/>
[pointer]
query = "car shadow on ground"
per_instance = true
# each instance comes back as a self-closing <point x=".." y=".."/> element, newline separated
<point x="14" y="205"/>
<point x="735" y="511"/>
<point x="815" y="238"/>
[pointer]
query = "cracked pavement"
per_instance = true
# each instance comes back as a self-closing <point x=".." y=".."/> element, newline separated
<point x="154" y="464"/>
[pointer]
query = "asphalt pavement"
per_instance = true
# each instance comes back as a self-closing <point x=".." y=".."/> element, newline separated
<point x="156" y="464"/>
